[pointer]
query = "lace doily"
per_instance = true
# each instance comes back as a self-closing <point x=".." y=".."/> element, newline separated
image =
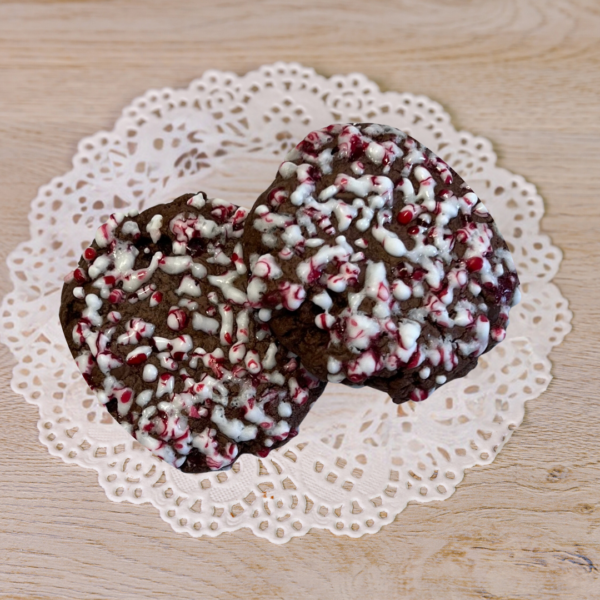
<point x="359" y="458"/>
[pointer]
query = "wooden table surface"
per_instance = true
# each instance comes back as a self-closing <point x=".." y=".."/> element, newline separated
<point x="525" y="74"/>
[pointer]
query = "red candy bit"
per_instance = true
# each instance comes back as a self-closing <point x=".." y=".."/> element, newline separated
<point x="354" y="147"/>
<point x="418" y="274"/>
<point x="442" y="168"/>
<point x="137" y="359"/>
<point x="418" y="395"/>
<point x="498" y="334"/>
<point x="239" y="216"/>
<point x="348" y="271"/>
<point x="462" y="236"/>
<point x="505" y="290"/>
<point x="89" y="254"/>
<point x="443" y="292"/>
<point x="280" y="438"/>
<point x="105" y="232"/>
<point x="269" y="397"/>
<point x="313" y="173"/>
<point x="215" y="364"/>
<point x="79" y="330"/>
<point x="383" y="293"/>
<point x="126" y="396"/>
<point x="214" y="464"/>
<point x="79" y="275"/>
<point x="180" y="442"/>
<point x="110" y="280"/>
<point x="253" y="365"/>
<point x="292" y="295"/>
<point x="277" y="196"/>
<point x="292" y="365"/>
<point x="329" y="229"/>
<point x="306" y="379"/>
<point x="123" y="395"/>
<point x="475" y="264"/>
<point x="156" y="298"/>
<point x="193" y="413"/>
<point x="263" y="452"/>
<point x="116" y="296"/>
<point x="300" y="396"/>
<point x="357" y="372"/>
<point x="414" y="230"/>
<point x="314" y="273"/>
<point x="177" y="319"/>
<point x="405" y="216"/>
<point x="415" y="359"/>
<point x="249" y="405"/>
<point x="222" y="213"/>
<point x="432" y="232"/>
<point x="239" y="372"/>
<point x="322" y="321"/>
<point x="356" y="377"/>
<point x="402" y="273"/>
<point x="145" y="291"/>
<point x="307" y="146"/>
<point x="231" y="450"/>
<point x="314" y="138"/>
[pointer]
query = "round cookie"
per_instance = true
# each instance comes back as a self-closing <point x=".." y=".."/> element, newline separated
<point x="375" y="262"/>
<point x="157" y="319"/>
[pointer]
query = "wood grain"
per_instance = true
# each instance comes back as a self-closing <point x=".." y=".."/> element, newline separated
<point x="522" y="73"/>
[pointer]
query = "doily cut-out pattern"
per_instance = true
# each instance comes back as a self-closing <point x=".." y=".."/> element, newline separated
<point x="359" y="458"/>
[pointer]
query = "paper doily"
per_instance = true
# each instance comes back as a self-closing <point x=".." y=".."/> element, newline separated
<point x="359" y="459"/>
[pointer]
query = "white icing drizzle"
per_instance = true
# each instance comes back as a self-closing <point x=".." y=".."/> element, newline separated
<point x="143" y="398"/>
<point x="189" y="286"/>
<point x="131" y="228"/>
<point x="150" y="374"/>
<point x="153" y="227"/>
<point x="243" y="322"/>
<point x="225" y="284"/>
<point x="203" y="323"/>
<point x="226" y="335"/>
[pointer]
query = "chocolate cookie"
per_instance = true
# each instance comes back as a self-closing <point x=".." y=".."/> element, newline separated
<point x="157" y="319"/>
<point x="376" y="263"/>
